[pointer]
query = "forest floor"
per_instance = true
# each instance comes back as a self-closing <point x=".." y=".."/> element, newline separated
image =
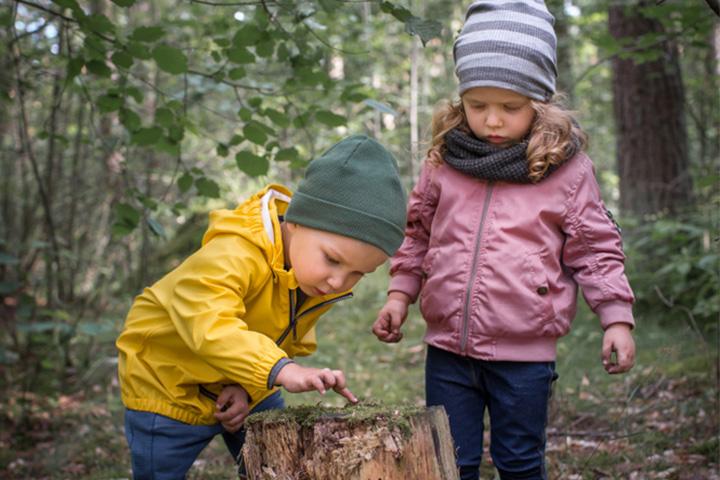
<point x="659" y="421"/>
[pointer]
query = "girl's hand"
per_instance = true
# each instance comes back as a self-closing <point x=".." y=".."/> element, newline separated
<point x="297" y="379"/>
<point x="391" y="317"/>
<point x="618" y="339"/>
<point x="232" y="407"/>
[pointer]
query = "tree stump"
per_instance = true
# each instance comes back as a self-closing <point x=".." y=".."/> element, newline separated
<point x="366" y="442"/>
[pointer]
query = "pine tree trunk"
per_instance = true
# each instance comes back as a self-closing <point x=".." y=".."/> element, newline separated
<point x="355" y="443"/>
<point x="649" y="111"/>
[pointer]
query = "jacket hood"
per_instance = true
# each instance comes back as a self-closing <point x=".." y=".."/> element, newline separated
<point x="256" y="219"/>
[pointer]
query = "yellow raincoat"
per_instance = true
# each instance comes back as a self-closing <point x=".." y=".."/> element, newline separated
<point x="226" y="315"/>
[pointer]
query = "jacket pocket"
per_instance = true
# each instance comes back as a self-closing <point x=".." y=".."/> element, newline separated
<point x="539" y="293"/>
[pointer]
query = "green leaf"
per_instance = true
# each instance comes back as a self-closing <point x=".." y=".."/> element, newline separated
<point x="401" y="13"/>
<point x="138" y="50"/>
<point x="74" y="67"/>
<point x="278" y="118"/>
<point x="247" y="36"/>
<point x="155" y="227"/>
<point x="251" y="164"/>
<point x="99" y="68"/>
<point x="7" y="259"/>
<point x="147" y="34"/>
<point x="130" y="120"/>
<point x="425" y="29"/>
<point x="124" y="3"/>
<point x="170" y="59"/>
<point x="185" y="182"/>
<point x="265" y="48"/>
<point x="176" y="133"/>
<point x="330" y="119"/>
<point x="122" y="59"/>
<point x="207" y="188"/>
<point x="164" y="117"/>
<point x="168" y="146"/>
<point x="245" y="114"/>
<point x="147" y="136"/>
<point x="135" y="93"/>
<point x="236" y="73"/>
<point x="240" y="55"/>
<point x="286" y="154"/>
<point x="126" y="219"/>
<point x="255" y="133"/>
<point x="109" y="103"/>
<point x="222" y="150"/>
<point x="71" y="4"/>
<point x="99" y="23"/>
<point x="236" y="140"/>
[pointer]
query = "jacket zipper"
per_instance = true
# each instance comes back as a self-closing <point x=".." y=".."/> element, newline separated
<point x="473" y="272"/>
<point x="294" y="318"/>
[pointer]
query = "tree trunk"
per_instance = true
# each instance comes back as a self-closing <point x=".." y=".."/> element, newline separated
<point x="354" y="443"/>
<point x="649" y="112"/>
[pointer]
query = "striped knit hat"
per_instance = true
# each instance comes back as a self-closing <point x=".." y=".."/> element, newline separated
<point x="508" y="44"/>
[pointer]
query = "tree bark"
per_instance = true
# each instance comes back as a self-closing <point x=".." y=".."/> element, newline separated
<point x="350" y="444"/>
<point x="649" y="112"/>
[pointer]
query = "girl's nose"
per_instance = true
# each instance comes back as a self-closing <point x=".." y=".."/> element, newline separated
<point x="493" y="120"/>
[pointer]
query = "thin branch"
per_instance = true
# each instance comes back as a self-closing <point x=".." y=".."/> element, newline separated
<point x="324" y="42"/>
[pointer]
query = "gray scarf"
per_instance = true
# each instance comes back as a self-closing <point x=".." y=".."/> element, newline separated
<point x="477" y="158"/>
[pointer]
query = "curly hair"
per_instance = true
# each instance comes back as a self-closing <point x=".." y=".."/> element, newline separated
<point x="553" y="131"/>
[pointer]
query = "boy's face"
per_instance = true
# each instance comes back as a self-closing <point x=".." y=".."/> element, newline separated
<point x="325" y="262"/>
<point x="498" y="116"/>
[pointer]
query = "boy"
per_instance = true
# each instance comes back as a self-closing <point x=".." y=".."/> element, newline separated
<point x="214" y="338"/>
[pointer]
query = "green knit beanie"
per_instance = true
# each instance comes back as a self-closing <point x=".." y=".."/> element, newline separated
<point x="353" y="190"/>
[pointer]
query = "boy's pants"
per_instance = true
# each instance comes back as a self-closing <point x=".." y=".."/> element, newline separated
<point x="164" y="449"/>
<point x="516" y="395"/>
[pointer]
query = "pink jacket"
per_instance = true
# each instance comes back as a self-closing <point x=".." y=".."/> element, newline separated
<point x="497" y="265"/>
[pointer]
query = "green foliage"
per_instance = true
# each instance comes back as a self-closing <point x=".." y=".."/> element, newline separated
<point x="674" y="266"/>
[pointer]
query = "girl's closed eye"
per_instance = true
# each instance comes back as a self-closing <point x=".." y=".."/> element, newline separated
<point x="512" y="107"/>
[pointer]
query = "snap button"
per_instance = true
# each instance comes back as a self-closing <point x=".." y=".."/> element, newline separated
<point x="542" y="290"/>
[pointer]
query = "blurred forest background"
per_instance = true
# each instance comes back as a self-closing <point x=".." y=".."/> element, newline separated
<point x="123" y="123"/>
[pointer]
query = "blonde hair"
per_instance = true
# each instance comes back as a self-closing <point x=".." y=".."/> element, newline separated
<point x="553" y="133"/>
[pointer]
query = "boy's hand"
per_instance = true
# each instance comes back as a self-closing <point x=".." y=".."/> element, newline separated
<point x="618" y="339"/>
<point x="391" y="317"/>
<point x="232" y="407"/>
<point x="297" y="379"/>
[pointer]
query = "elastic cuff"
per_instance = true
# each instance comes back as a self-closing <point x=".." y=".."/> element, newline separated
<point x="615" y="311"/>
<point x="275" y="370"/>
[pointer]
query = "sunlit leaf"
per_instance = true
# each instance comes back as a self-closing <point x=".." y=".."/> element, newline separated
<point x="330" y="119"/>
<point x="251" y="164"/>
<point x="286" y="154"/>
<point x="170" y="59"/>
<point x="255" y="133"/>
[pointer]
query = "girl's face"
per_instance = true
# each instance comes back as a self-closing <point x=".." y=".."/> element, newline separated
<point x="325" y="262"/>
<point x="498" y="116"/>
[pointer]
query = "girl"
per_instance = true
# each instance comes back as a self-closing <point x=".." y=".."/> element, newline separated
<point x="504" y="223"/>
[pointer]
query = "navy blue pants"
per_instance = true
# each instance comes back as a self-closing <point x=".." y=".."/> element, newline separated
<point x="516" y="396"/>
<point x="164" y="449"/>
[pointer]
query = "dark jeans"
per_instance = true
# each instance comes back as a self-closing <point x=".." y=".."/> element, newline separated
<point x="516" y="395"/>
<point x="164" y="449"/>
